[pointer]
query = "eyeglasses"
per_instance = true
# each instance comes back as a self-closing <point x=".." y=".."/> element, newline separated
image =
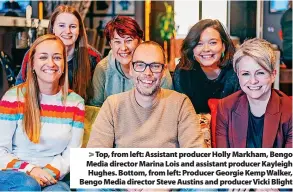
<point x="140" y="66"/>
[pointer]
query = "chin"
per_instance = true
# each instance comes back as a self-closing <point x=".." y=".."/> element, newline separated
<point x="124" y="61"/>
<point x="207" y="64"/>
<point x="146" y="91"/>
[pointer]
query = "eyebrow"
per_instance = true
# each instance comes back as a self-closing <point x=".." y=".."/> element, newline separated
<point x="129" y="37"/>
<point x="44" y="53"/>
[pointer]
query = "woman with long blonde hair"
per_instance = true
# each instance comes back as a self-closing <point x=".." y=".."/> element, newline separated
<point x="41" y="119"/>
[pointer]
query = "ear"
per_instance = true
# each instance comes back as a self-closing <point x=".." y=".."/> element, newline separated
<point x="164" y="70"/>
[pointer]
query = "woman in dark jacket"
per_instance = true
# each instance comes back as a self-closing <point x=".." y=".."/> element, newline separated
<point x="257" y="116"/>
<point x="205" y="70"/>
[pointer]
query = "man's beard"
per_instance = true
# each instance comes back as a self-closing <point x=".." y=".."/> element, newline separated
<point x="145" y="91"/>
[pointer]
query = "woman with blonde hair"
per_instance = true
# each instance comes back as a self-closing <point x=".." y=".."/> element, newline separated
<point x="257" y="116"/>
<point x="67" y="24"/>
<point x="41" y="119"/>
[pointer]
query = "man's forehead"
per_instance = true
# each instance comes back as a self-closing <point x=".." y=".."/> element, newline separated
<point x="149" y="51"/>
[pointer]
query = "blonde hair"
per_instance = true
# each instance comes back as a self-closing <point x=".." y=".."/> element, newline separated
<point x="32" y="107"/>
<point x="258" y="49"/>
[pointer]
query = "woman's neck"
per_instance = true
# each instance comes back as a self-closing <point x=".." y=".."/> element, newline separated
<point x="258" y="106"/>
<point x="70" y="51"/>
<point x="212" y="72"/>
<point x="49" y="89"/>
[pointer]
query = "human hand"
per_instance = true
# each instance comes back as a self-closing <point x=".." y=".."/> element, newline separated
<point x="42" y="176"/>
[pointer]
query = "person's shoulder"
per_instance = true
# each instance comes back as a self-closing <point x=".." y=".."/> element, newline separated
<point x="118" y="100"/>
<point x="180" y="70"/>
<point x="93" y="52"/>
<point x="231" y="100"/>
<point x="120" y="96"/>
<point x="173" y="95"/>
<point x="285" y="102"/>
<point x="103" y="65"/>
<point x="15" y="93"/>
<point x="74" y="97"/>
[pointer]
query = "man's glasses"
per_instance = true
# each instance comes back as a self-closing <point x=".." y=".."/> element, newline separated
<point x="140" y="66"/>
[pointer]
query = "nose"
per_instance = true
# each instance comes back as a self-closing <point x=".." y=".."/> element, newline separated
<point x="206" y="47"/>
<point x="253" y="80"/>
<point x="148" y="71"/>
<point x="51" y="62"/>
<point x="67" y="29"/>
<point x="123" y="46"/>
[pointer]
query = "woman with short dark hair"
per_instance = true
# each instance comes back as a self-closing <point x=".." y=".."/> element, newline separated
<point x="205" y="69"/>
<point x="112" y="73"/>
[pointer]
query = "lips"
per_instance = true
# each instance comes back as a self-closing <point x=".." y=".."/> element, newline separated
<point x="211" y="56"/>
<point x="146" y="83"/>
<point x="66" y="37"/>
<point x="254" y="88"/>
<point x="50" y="71"/>
<point x="124" y="55"/>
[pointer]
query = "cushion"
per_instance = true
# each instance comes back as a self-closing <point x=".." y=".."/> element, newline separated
<point x="204" y="123"/>
<point x="213" y="104"/>
<point x="91" y="113"/>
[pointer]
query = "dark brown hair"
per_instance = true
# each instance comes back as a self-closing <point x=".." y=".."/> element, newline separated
<point x="187" y="61"/>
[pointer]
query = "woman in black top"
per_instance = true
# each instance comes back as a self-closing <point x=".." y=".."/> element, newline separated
<point x="205" y="70"/>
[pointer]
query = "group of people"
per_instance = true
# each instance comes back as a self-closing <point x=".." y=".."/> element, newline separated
<point x="42" y="117"/>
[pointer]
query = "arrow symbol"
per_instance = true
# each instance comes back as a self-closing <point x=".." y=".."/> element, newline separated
<point x="91" y="154"/>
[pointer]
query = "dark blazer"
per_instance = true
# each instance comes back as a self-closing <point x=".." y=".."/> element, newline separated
<point x="232" y="121"/>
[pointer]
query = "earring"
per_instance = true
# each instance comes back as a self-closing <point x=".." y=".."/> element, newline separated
<point x="194" y="58"/>
<point x="223" y="55"/>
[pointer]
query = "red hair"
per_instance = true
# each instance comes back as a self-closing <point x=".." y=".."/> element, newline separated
<point x="123" y="25"/>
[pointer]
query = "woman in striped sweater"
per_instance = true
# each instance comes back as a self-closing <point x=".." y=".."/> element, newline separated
<point x="40" y="121"/>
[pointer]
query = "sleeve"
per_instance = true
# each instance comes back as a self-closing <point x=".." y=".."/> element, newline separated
<point x="8" y="120"/>
<point x="221" y="127"/>
<point x="189" y="132"/>
<point x="21" y="77"/>
<point x="95" y="57"/>
<point x="102" y="134"/>
<point x="99" y="80"/>
<point x="167" y="81"/>
<point x="60" y="165"/>
<point x="288" y="143"/>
